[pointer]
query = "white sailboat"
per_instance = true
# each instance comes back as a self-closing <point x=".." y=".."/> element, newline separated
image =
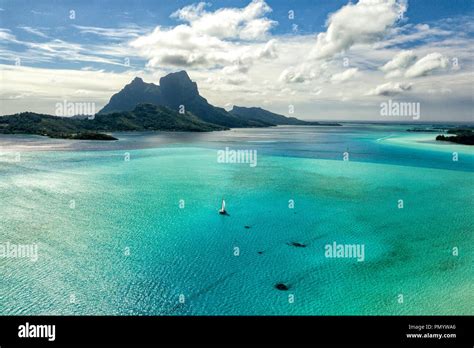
<point x="223" y="211"/>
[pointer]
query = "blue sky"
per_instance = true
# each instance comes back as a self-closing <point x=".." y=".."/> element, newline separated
<point x="332" y="57"/>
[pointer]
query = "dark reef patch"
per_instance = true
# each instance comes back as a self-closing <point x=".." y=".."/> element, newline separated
<point x="282" y="286"/>
<point x="296" y="244"/>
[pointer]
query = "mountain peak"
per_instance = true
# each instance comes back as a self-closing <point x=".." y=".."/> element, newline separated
<point x="179" y="74"/>
<point x="137" y="80"/>
<point x="178" y="85"/>
<point x="181" y="77"/>
<point x="175" y="91"/>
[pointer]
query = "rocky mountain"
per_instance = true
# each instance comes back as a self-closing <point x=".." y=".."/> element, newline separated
<point x="178" y="92"/>
<point x="136" y="92"/>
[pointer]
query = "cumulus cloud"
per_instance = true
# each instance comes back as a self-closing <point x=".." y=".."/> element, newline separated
<point x="399" y="63"/>
<point x="210" y="39"/>
<point x="299" y="74"/>
<point x="390" y="88"/>
<point x="405" y="64"/>
<point x="345" y="75"/>
<point x="268" y="50"/>
<point x="246" y="59"/>
<point x="247" y="23"/>
<point x="238" y="68"/>
<point x="427" y="64"/>
<point x="365" y="22"/>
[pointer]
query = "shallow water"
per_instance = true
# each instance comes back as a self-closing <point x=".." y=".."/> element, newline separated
<point x="113" y="239"/>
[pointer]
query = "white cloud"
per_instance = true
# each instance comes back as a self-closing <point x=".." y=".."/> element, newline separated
<point x="210" y="39"/>
<point x="365" y="22"/>
<point x="345" y="75"/>
<point x="316" y="91"/>
<point x="299" y="74"/>
<point x="71" y="51"/>
<point x="236" y="80"/>
<point x="411" y="33"/>
<point x="6" y="35"/>
<point x="34" y="31"/>
<point x="245" y="23"/>
<point x="112" y="33"/>
<point x="191" y="12"/>
<point x="399" y="63"/>
<point x="427" y="64"/>
<point x="238" y="68"/>
<point x="57" y="49"/>
<point x="390" y="88"/>
<point x="405" y="64"/>
<point x="268" y="50"/>
<point x="82" y="92"/>
<point x="39" y="89"/>
<point x="18" y="96"/>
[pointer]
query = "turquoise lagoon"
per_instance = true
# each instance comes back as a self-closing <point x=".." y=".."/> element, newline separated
<point x="113" y="239"/>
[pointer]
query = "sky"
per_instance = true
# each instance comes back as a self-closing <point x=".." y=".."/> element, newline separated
<point x="312" y="59"/>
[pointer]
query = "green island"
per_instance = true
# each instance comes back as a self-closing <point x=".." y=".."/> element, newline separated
<point x="144" y="117"/>
<point x="463" y="136"/>
<point x="460" y="135"/>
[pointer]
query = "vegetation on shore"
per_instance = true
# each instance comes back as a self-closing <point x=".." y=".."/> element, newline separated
<point x="145" y="117"/>
<point x="88" y="136"/>
<point x="463" y="136"/>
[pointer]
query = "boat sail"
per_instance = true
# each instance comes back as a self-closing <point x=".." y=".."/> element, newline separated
<point x="223" y="211"/>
